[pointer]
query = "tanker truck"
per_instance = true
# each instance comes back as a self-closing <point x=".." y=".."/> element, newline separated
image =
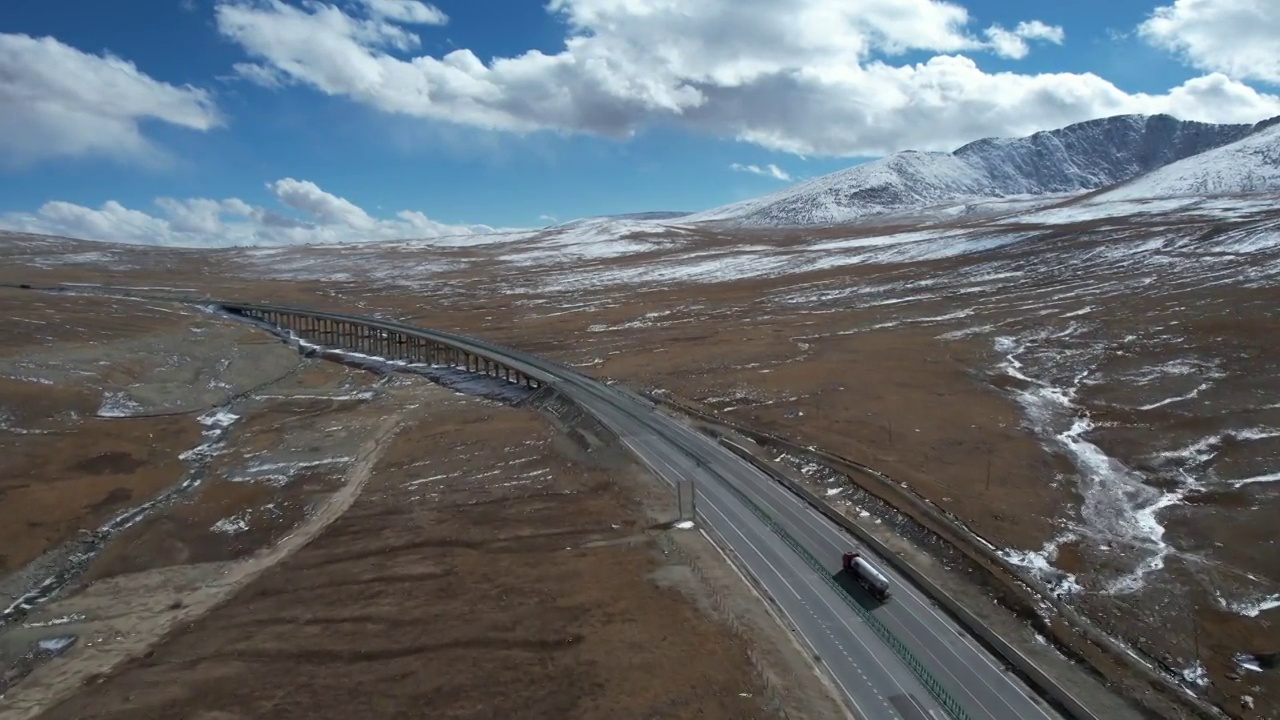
<point x="866" y="575"/>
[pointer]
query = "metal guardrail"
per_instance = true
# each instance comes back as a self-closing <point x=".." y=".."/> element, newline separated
<point x="935" y="689"/>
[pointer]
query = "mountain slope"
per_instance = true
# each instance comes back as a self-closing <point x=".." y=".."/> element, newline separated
<point x="1084" y="156"/>
<point x="1245" y="166"/>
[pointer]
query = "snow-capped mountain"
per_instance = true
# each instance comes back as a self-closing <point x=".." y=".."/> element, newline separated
<point x="1077" y="158"/>
<point x="1250" y="165"/>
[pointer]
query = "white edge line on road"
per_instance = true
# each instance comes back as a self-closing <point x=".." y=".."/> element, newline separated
<point x="769" y="607"/>
<point x="827" y="530"/>
<point x="812" y="648"/>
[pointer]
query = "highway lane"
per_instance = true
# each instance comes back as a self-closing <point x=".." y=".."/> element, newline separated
<point x="957" y="660"/>
<point x="967" y="671"/>
<point x="876" y="682"/>
<point x="982" y="686"/>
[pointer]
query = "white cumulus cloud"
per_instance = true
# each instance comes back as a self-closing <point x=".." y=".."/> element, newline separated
<point x="407" y="11"/>
<point x="321" y="217"/>
<point x="1013" y="43"/>
<point x="1240" y="38"/>
<point x="769" y="170"/>
<point x="810" y="77"/>
<point x="57" y="101"/>
<point x="263" y="75"/>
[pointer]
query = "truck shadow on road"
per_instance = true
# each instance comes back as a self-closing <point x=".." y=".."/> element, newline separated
<point x="855" y="590"/>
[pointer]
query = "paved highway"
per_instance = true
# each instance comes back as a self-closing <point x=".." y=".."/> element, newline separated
<point x="876" y="681"/>
<point x="853" y="655"/>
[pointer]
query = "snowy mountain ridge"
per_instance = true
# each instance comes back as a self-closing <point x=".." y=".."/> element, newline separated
<point x="1081" y="157"/>
<point x="1250" y="165"/>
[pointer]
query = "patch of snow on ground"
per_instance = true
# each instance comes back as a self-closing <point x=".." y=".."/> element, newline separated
<point x="216" y="424"/>
<point x="1194" y="458"/>
<point x="1248" y="662"/>
<point x="356" y="396"/>
<point x="596" y="239"/>
<point x="963" y="333"/>
<point x="1084" y="212"/>
<point x="1116" y="503"/>
<point x="878" y="240"/>
<point x="6" y="425"/>
<point x="56" y="645"/>
<point x="1252" y="609"/>
<point x="279" y="474"/>
<point x="118" y="404"/>
<point x="60" y="620"/>
<point x="30" y="379"/>
<point x="1265" y="478"/>
<point x="80" y="258"/>
<point x="433" y="478"/>
<point x="668" y="271"/>
<point x="233" y="525"/>
<point x="942" y="248"/>
<point x="645" y="320"/>
<point x="1040" y="564"/>
<point x="1247" y="241"/>
<point x="1195" y="674"/>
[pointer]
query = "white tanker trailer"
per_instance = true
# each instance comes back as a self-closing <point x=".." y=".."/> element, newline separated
<point x="866" y="575"/>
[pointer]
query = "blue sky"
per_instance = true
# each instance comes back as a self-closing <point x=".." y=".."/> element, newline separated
<point x="229" y="97"/>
